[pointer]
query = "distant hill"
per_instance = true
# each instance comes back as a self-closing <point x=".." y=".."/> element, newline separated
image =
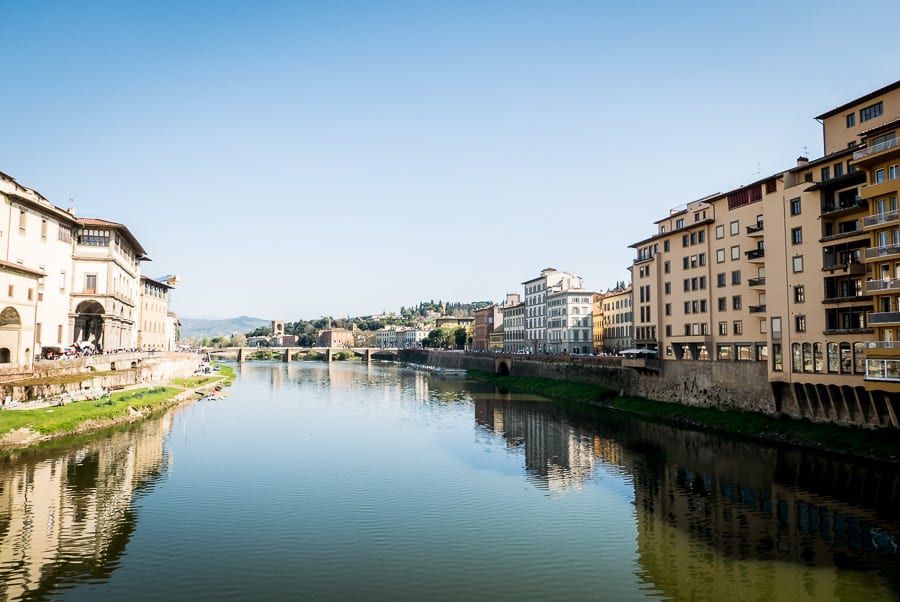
<point x="199" y="327"/>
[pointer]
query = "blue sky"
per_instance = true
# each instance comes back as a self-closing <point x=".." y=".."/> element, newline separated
<point x="291" y="160"/>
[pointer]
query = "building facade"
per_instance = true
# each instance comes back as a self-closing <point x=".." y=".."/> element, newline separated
<point x="536" y="305"/>
<point x="617" y="321"/>
<point x="569" y="321"/>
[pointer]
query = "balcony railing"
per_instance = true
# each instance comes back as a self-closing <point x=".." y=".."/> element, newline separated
<point x="755" y="253"/>
<point x="884" y="317"/>
<point x="883" y="344"/>
<point x="761" y="281"/>
<point x="880" y="218"/>
<point x="843" y="206"/>
<point x="756" y="309"/>
<point x="883" y="285"/>
<point x="876" y="148"/>
<point x="875" y="252"/>
<point x="755" y="229"/>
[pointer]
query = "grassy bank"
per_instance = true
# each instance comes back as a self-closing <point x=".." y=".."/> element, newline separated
<point x="67" y="418"/>
<point x="24" y="428"/>
<point x="882" y="444"/>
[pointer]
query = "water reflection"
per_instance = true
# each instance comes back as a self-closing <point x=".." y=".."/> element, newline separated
<point x="67" y="516"/>
<point x="717" y="516"/>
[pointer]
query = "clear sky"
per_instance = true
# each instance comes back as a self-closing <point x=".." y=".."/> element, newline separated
<point x="293" y="160"/>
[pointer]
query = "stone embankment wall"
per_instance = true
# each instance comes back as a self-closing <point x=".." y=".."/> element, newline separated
<point x="724" y="385"/>
<point x="54" y="378"/>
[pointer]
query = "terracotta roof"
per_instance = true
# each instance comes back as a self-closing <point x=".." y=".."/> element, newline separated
<point x="20" y="268"/>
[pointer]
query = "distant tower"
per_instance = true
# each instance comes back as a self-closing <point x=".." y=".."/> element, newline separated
<point x="277" y="328"/>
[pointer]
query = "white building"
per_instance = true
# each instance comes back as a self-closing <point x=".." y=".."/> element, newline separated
<point x="106" y="284"/>
<point x="386" y="337"/>
<point x="536" y="305"/>
<point x="513" y="312"/>
<point x="569" y="321"/>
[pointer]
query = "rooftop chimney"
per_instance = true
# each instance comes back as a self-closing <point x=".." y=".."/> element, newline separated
<point x="802" y="161"/>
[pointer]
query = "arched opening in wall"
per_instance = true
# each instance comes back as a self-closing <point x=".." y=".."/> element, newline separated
<point x="134" y="364"/>
<point x="10" y="329"/>
<point x="112" y="365"/>
<point x="91" y="369"/>
<point x="89" y="324"/>
<point x="502" y="369"/>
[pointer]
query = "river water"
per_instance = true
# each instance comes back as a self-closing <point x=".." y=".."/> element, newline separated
<point x="375" y="482"/>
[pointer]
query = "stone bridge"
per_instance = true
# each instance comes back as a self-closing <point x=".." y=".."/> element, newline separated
<point x="287" y="353"/>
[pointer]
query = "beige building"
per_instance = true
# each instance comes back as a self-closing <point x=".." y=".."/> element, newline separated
<point x="513" y="312"/>
<point x="153" y="326"/>
<point x="799" y="270"/>
<point x="617" y="321"/>
<point x="335" y="337"/>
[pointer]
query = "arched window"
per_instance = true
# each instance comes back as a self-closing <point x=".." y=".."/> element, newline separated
<point x="796" y="358"/>
<point x="818" y="359"/>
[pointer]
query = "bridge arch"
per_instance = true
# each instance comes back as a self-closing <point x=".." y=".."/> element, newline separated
<point x="502" y="368"/>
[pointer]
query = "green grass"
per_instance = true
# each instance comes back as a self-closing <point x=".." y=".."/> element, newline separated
<point x="64" y="419"/>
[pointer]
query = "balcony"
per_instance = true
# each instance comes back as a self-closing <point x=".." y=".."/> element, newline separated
<point x="761" y="281"/>
<point x="755" y="230"/>
<point x="883" y="370"/>
<point x="881" y="252"/>
<point x="882" y="318"/>
<point x="875" y="149"/>
<point x="870" y="221"/>
<point x="855" y="268"/>
<point x="755" y="254"/>
<point x="756" y="309"/>
<point x="883" y="285"/>
<point x="832" y="209"/>
<point x="846" y="299"/>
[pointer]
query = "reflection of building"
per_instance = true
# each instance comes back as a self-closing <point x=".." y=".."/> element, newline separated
<point x="73" y="513"/>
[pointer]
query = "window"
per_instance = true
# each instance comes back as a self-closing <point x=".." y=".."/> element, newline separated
<point x="798" y="264"/>
<point x="736" y="252"/>
<point x="723" y="303"/>
<point x="701" y="236"/>
<point x="693" y="238"/>
<point x="735" y="228"/>
<point x="22" y="217"/>
<point x="702" y="258"/>
<point x="720" y="231"/>
<point x="11" y="290"/>
<point x="826" y="173"/>
<point x="720" y="255"/>
<point x="702" y="283"/>
<point x="851" y="120"/>
<point x="666" y="245"/>
<point x="666" y="267"/>
<point x="687" y="284"/>
<point x="685" y="241"/>
<point x="736" y="302"/>
<point x="879" y="178"/>
<point x="720" y="279"/>
<point x="31" y="294"/>
<point x="777" y="359"/>
<point x="90" y="283"/>
<point x="738" y="327"/>
<point x="892" y="172"/>
<point x="776" y="328"/>
<point x="679" y="223"/>
<point x="723" y="328"/>
<point x="62" y="282"/>
<point x="796" y="235"/>
<point x="736" y="277"/>
<point x="667" y="287"/>
<point x="668" y="309"/>
<point x="668" y="330"/>
<point x="684" y="263"/>
<point x="723" y="352"/>
<point x="799" y="323"/>
<point x="795" y="206"/>
<point x="799" y="293"/>
<point x="59" y="334"/>
<point x="871" y="112"/>
<point x="838" y="170"/>
<point x="44" y="229"/>
<point x="694" y="261"/>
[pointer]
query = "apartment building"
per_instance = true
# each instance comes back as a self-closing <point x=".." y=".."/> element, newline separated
<point x="513" y="312"/>
<point x="536" y="305"/>
<point x="487" y="319"/>
<point x="800" y="270"/>
<point x="569" y="321"/>
<point x="597" y="321"/>
<point x="617" y="321"/>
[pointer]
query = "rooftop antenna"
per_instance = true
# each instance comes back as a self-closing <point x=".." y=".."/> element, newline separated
<point x="756" y="173"/>
<point x="805" y="152"/>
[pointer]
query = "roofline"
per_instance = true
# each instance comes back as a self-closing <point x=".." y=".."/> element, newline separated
<point x="142" y="253"/>
<point x="21" y="268"/>
<point x="859" y="100"/>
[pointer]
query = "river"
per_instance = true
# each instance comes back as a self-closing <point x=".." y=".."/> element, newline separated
<point x="348" y="481"/>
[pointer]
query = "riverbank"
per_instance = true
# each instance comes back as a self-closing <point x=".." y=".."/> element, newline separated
<point x="880" y="445"/>
<point x="24" y="428"/>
